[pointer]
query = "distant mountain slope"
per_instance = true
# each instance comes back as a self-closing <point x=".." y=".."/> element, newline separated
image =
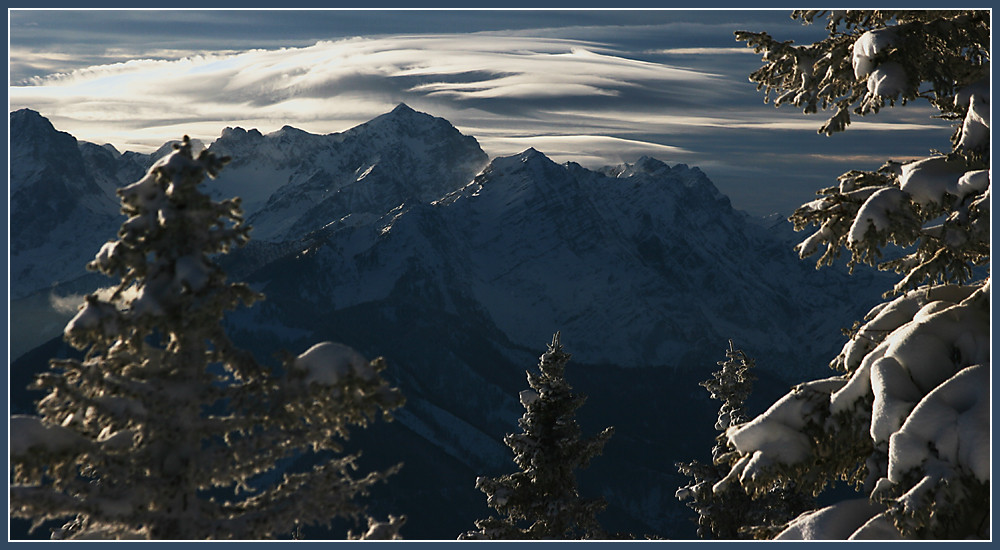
<point x="639" y="264"/>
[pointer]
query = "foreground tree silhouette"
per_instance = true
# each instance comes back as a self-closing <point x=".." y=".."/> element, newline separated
<point x="908" y="421"/>
<point x="541" y="500"/>
<point x="727" y="511"/>
<point x="165" y="429"/>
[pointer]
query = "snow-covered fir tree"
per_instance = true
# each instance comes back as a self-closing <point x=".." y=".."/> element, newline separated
<point x="907" y="422"/>
<point x="728" y="511"/>
<point x="166" y="430"/>
<point x="541" y="501"/>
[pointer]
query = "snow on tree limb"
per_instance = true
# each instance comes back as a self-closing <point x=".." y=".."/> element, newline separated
<point x="30" y="433"/>
<point x="907" y="422"/>
<point x="327" y="363"/>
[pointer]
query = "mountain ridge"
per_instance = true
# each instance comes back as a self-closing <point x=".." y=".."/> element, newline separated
<point x="400" y="238"/>
<point x="299" y="187"/>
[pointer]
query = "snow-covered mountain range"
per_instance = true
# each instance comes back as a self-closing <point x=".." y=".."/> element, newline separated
<point x="401" y="238"/>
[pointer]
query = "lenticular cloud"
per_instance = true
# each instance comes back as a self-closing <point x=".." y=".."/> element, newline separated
<point x="362" y="74"/>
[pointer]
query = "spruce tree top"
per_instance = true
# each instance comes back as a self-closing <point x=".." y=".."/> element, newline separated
<point x="541" y="500"/>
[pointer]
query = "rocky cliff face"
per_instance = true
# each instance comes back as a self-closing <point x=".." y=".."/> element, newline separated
<point x="58" y="211"/>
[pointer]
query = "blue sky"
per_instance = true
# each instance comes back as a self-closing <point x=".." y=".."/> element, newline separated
<point x="593" y="86"/>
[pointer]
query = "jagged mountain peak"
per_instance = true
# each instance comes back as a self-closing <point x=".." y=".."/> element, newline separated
<point x="111" y="149"/>
<point x="283" y="147"/>
<point x="650" y="165"/>
<point x="25" y="118"/>
<point x="35" y="143"/>
<point x="529" y="159"/>
<point x="526" y="178"/>
<point x="405" y="122"/>
<point x="401" y="113"/>
<point x="237" y="133"/>
<point x="403" y="110"/>
<point x="649" y="168"/>
<point x="36" y="132"/>
<point x="289" y="132"/>
<point x="644" y="165"/>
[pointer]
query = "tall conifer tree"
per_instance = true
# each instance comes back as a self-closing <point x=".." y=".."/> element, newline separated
<point x="907" y="421"/>
<point x="165" y="429"/>
<point x="726" y="510"/>
<point x="541" y="500"/>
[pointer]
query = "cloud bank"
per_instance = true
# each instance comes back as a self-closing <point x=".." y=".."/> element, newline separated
<point x="331" y="84"/>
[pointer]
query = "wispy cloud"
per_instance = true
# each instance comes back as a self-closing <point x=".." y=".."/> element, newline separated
<point x="703" y="51"/>
<point x="331" y="84"/>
